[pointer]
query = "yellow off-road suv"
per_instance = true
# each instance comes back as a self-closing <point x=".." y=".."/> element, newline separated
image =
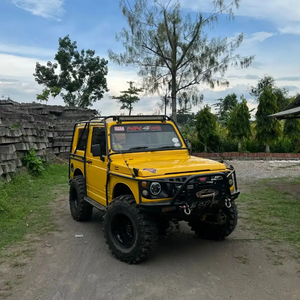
<point x="140" y="171"/>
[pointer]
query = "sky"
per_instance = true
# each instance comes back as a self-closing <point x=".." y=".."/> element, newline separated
<point x="30" y="30"/>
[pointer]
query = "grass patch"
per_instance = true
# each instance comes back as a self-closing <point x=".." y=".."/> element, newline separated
<point x="274" y="206"/>
<point x="24" y="203"/>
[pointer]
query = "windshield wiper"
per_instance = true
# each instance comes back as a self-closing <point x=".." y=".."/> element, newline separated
<point x="138" y="148"/>
<point x="167" y="147"/>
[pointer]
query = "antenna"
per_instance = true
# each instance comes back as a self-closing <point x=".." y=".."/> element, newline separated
<point x="223" y="160"/>
<point x="133" y="176"/>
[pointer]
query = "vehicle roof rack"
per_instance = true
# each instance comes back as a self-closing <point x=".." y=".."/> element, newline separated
<point x="120" y="119"/>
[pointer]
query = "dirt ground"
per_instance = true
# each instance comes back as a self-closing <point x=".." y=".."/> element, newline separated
<point x="61" y="266"/>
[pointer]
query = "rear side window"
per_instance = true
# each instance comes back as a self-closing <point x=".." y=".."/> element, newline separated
<point x="82" y="139"/>
<point x="99" y="137"/>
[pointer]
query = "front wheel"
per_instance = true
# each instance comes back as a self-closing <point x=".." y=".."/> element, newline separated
<point x="214" y="231"/>
<point x="130" y="233"/>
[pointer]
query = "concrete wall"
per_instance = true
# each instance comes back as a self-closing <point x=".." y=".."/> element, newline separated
<point x="45" y="128"/>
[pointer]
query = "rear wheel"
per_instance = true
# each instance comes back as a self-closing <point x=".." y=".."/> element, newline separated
<point x="130" y="233"/>
<point x="80" y="209"/>
<point x="214" y="231"/>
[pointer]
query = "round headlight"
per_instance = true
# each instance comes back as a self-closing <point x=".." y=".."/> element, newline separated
<point x="230" y="181"/>
<point x="155" y="188"/>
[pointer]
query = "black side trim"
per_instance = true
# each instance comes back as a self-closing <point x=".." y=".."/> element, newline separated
<point x="95" y="203"/>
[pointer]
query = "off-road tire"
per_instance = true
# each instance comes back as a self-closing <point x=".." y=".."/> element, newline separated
<point x="80" y="209"/>
<point x="213" y="231"/>
<point x="143" y="230"/>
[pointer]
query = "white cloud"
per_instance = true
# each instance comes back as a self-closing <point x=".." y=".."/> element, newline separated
<point x="51" y="9"/>
<point x="257" y="37"/>
<point x="293" y="29"/>
<point x="276" y="10"/>
<point x="27" y="51"/>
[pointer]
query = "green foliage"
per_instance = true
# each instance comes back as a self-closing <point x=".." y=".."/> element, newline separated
<point x="80" y="78"/>
<point x="239" y="122"/>
<point x="14" y="126"/>
<point x="129" y="97"/>
<point x="282" y="98"/>
<point x="280" y="93"/>
<point x="292" y="131"/>
<point x="33" y="163"/>
<point x="252" y="145"/>
<point x="24" y="203"/>
<point x="225" y="106"/>
<point x="283" y="145"/>
<point x="267" y="128"/>
<point x="206" y="126"/>
<point x="170" y="47"/>
<point x="263" y="83"/>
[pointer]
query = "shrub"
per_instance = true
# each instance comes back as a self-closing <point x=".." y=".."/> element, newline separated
<point x="33" y="163"/>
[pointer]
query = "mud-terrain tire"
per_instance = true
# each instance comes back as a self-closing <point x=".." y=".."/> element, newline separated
<point x="213" y="231"/>
<point x="130" y="233"/>
<point x="80" y="209"/>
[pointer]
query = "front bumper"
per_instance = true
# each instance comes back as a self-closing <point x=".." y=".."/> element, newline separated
<point x="214" y="192"/>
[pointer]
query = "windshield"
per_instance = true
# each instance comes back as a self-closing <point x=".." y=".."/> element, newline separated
<point x="144" y="136"/>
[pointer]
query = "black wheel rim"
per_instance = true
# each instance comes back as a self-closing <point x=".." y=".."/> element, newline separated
<point x="123" y="231"/>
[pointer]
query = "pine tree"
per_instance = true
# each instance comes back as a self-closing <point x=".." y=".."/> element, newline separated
<point x="206" y="126"/>
<point x="267" y="129"/>
<point x="129" y="97"/>
<point x="239" y="122"/>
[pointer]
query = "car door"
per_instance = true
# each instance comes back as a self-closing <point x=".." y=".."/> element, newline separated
<point x="96" y="167"/>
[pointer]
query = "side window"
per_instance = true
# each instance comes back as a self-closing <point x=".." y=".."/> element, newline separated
<point x="99" y="137"/>
<point x="82" y="138"/>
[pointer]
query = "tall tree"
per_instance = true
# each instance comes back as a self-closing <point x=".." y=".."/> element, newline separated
<point x="169" y="46"/>
<point x="239" y="122"/>
<point x="129" y="97"/>
<point x="267" y="129"/>
<point x="78" y="76"/>
<point x="292" y="129"/>
<point x="265" y="82"/>
<point x="282" y="98"/>
<point x="206" y="125"/>
<point x="225" y="106"/>
<point x="269" y="82"/>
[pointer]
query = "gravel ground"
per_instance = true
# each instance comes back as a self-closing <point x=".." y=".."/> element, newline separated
<point x="257" y="169"/>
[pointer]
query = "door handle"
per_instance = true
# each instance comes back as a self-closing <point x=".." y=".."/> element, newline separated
<point x="89" y="162"/>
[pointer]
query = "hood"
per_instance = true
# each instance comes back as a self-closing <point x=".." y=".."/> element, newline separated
<point x="158" y="163"/>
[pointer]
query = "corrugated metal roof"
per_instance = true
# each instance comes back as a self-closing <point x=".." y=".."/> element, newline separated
<point x="287" y="114"/>
<point x="291" y="111"/>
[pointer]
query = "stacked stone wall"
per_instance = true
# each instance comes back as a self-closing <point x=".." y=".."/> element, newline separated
<point x="46" y="129"/>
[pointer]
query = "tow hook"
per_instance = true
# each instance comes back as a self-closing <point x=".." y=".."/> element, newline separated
<point x="186" y="209"/>
<point x="227" y="203"/>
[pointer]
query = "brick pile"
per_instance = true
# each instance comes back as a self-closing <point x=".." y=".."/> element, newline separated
<point x="46" y="129"/>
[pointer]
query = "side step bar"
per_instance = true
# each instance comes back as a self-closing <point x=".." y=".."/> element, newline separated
<point x="95" y="203"/>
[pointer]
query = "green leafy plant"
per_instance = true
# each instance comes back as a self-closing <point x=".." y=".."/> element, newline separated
<point x="33" y="163"/>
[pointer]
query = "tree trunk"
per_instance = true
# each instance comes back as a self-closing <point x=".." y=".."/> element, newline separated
<point x="267" y="148"/>
<point x="205" y="148"/>
<point x="166" y="105"/>
<point x="130" y="108"/>
<point x="240" y="146"/>
<point x="174" y="114"/>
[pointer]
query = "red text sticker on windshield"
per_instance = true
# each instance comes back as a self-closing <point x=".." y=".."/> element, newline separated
<point x="151" y="170"/>
<point x="119" y="128"/>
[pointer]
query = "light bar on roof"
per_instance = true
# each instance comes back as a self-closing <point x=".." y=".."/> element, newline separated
<point x="120" y="119"/>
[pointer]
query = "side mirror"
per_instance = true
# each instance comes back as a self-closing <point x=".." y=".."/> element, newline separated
<point x="96" y="150"/>
<point x="188" y="143"/>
